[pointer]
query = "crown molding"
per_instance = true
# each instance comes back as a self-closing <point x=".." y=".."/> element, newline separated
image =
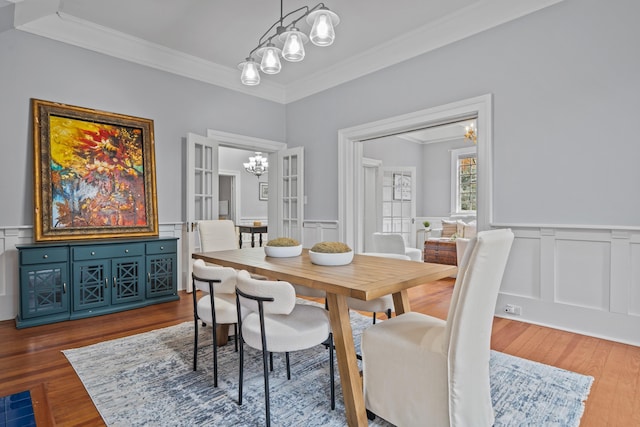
<point x="78" y="32"/>
<point x="466" y="22"/>
<point x="41" y="17"/>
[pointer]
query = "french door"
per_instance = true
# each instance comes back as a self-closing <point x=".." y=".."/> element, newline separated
<point x="398" y="203"/>
<point x="290" y="193"/>
<point x="201" y="200"/>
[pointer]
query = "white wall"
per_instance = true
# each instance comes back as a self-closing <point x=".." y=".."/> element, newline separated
<point x="565" y="89"/>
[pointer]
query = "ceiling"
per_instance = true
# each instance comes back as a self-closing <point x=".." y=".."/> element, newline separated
<point x="206" y="39"/>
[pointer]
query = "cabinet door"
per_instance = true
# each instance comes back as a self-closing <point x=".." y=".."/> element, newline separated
<point x="161" y="275"/>
<point x="91" y="284"/>
<point x="127" y="279"/>
<point x="44" y="289"/>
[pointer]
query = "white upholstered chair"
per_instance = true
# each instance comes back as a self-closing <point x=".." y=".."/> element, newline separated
<point x="216" y="308"/>
<point x="271" y="321"/>
<point x="394" y="244"/>
<point x="217" y="235"/>
<point x="418" y="368"/>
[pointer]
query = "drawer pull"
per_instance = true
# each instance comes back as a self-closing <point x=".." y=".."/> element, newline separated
<point x="64" y="288"/>
<point x="162" y="248"/>
<point x="45" y="256"/>
<point x="126" y="251"/>
<point x="92" y="253"/>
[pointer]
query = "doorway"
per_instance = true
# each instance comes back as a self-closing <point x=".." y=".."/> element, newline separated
<point x="351" y="208"/>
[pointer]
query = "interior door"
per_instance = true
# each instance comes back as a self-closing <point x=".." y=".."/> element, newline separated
<point x="201" y="199"/>
<point x="290" y="193"/>
<point x="398" y="202"/>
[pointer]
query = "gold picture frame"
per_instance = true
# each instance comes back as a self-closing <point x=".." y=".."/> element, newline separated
<point x="94" y="174"/>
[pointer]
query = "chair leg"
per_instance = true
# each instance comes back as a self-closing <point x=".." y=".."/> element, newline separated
<point x="195" y="344"/>
<point x="374" y="317"/>
<point x="266" y="384"/>
<point x="215" y="355"/>
<point x="286" y="355"/>
<point x="240" y="373"/>
<point x="331" y="369"/>
<point x="388" y="313"/>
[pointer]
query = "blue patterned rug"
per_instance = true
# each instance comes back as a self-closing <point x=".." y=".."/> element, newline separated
<point x="147" y="379"/>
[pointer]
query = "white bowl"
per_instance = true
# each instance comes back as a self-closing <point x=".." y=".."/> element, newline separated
<point x="283" y="251"/>
<point x="321" y="258"/>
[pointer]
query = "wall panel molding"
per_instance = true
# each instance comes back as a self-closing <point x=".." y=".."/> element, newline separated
<point x="583" y="279"/>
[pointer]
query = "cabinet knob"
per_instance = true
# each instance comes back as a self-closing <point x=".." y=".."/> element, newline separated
<point x="126" y="251"/>
<point x="92" y="253"/>
<point x="45" y="256"/>
<point x="162" y="248"/>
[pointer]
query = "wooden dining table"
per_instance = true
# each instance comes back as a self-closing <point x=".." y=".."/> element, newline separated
<point x="366" y="277"/>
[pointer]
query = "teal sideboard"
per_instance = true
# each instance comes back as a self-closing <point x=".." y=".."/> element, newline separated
<point x="73" y="280"/>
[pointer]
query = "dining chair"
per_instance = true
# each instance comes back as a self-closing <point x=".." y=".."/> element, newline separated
<point x="215" y="309"/>
<point x="217" y="235"/>
<point x="270" y="320"/>
<point x="393" y="243"/>
<point x="417" y="367"/>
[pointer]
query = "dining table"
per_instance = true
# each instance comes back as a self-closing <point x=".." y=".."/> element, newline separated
<point x="366" y="277"/>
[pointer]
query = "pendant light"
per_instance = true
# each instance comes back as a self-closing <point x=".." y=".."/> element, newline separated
<point x="285" y="33"/>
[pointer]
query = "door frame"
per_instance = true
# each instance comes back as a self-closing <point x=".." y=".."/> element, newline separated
<point x="232" y="140"/>
<point x="350" y="179"/>
<point x="236" y="190"/>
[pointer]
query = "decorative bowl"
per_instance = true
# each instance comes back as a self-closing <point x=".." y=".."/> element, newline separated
<point x="322" y="258"/>
<point x="283" y="251"/>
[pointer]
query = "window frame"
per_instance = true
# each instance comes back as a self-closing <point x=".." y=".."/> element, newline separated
<point x="456" y="155"/>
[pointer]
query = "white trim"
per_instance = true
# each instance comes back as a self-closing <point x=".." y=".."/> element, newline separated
<point x="244" y="142"/>
<point x="350" y="157"/>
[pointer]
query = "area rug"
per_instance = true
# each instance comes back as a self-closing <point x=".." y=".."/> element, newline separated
<point x="147" y="380"/>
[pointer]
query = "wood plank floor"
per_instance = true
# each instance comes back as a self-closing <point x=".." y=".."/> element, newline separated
<point x="31" y="358"/>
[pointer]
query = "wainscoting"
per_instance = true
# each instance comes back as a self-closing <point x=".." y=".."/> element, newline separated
<point x="584" y="280"/>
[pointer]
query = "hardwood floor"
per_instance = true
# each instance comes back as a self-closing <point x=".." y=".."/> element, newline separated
<point x="31" y="358"/>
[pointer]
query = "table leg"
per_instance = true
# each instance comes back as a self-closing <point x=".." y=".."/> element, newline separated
<point x="253" y="243"/>
<point x="240" y="241"/>
<point x="222" y="333"/>
<point x="401" y="302"/>
<point x="260" y="239"/>
<point x="347" y="361"/>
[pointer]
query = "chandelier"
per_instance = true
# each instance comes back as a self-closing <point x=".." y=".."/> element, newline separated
<point x="257" y="165"/>
<point x="470" y="133"/>
<point x="292" y="40"/>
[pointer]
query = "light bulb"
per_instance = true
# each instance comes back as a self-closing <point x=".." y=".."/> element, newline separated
<point x="293" y="49"/>
<point x="322" y="33"/>
<point x="250" y="74"/>
<point x="270" y="60"/>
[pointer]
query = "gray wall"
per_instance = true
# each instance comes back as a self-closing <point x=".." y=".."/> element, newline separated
<point x="566" y="89"/>
<point x="36" y="67"/>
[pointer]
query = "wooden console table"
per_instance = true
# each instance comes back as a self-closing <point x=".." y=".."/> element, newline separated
<point x="253" y="229"/>
<point x="440" y="252"/>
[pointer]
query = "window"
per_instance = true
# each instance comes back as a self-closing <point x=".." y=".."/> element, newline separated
<point x="464" y="180"/>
